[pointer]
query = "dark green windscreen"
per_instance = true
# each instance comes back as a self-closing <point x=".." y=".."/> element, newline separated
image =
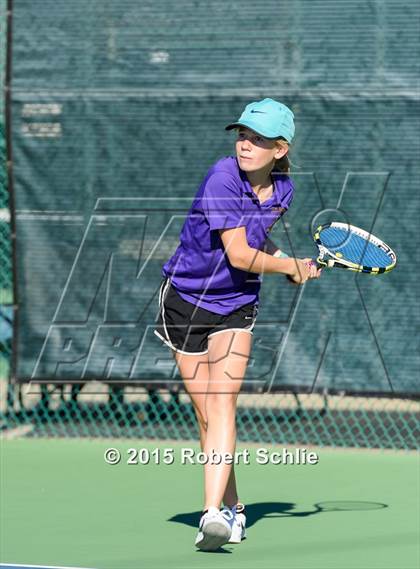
<point x="118" y="110"/>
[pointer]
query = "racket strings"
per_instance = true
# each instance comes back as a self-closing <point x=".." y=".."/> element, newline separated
<point x="353" y="248"/>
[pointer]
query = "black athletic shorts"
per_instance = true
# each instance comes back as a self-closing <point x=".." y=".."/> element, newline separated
<point x="185" y="328"/>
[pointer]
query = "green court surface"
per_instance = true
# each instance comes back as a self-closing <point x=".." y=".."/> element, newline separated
<point x="63" y="505"/>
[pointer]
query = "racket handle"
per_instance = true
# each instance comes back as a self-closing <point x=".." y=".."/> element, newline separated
<point x="313" y="262"/>
<point x="280" y="254"/>
<point x="321" y="264"/>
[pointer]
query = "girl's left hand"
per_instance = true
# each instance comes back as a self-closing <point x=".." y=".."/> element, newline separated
<point x="314" y="272"/>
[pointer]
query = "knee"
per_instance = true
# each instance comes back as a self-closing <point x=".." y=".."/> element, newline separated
<point x="221" y="404"/>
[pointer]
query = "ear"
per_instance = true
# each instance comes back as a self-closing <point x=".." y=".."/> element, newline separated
<point x="281" y="151"/>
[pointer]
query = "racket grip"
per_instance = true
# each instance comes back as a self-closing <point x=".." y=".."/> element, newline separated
<point x="313" y="262"/>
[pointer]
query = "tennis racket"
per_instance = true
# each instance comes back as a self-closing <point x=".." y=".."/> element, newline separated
<point x="349" y="247"/>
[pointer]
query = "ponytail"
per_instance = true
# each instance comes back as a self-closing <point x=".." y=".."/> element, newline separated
<point x="282" y="164"/>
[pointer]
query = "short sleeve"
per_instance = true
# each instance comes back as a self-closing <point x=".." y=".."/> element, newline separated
<point x="288" y="195"/>
<point x="222" y="202"/>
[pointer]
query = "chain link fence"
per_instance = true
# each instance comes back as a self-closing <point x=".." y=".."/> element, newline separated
<point x="100" y="410"/>
<point x="97" y="410"/>
<point x="6" y="297"/>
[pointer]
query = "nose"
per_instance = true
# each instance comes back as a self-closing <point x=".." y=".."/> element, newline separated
<point x="245" y="144"/>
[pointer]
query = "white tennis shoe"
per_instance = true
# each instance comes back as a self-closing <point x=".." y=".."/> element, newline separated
<point x="215" y="529"/>
<point x="239" y="524"/>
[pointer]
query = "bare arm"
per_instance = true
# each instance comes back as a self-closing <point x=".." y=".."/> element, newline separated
<point x="271" y="248"/>
<point x="242" y="256"/>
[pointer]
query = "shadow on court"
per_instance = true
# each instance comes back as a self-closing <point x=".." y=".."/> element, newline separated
<point x="256" y="512"/>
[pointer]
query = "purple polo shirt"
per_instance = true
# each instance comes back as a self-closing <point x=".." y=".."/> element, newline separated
<point x="200" y="269"/>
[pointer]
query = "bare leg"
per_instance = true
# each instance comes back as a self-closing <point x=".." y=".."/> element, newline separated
<point x="194" y="370"/>
<point x="228" y="357"/>
<point x="230" y="497"/>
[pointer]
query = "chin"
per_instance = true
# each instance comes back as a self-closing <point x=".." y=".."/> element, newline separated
<point x="246" y="166"/>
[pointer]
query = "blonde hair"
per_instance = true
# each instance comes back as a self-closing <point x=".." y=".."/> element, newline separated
<point x="283" y="164"/>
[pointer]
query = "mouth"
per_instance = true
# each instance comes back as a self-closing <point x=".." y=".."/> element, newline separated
<point x="245" y="157"/>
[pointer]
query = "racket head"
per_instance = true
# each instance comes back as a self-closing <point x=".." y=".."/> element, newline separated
<point x="349" y="505"/>
<point x="349" y="247"/>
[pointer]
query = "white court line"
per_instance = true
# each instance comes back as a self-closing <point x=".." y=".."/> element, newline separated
<point x="11" y="565"/>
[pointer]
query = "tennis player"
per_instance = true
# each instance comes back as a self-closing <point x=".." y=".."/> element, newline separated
<point x="208" y="299"/>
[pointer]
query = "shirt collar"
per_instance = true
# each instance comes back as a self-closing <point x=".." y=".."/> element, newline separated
<point x="249" y="191"/>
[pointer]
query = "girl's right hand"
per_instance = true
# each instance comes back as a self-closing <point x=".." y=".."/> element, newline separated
<point x="304" y="269"/>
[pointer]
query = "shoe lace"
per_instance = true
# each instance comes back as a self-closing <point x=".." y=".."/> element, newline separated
<point x="227" y="514"/>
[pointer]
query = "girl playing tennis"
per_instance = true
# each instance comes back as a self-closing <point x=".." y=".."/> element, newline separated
<point x="209" y="295"/>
